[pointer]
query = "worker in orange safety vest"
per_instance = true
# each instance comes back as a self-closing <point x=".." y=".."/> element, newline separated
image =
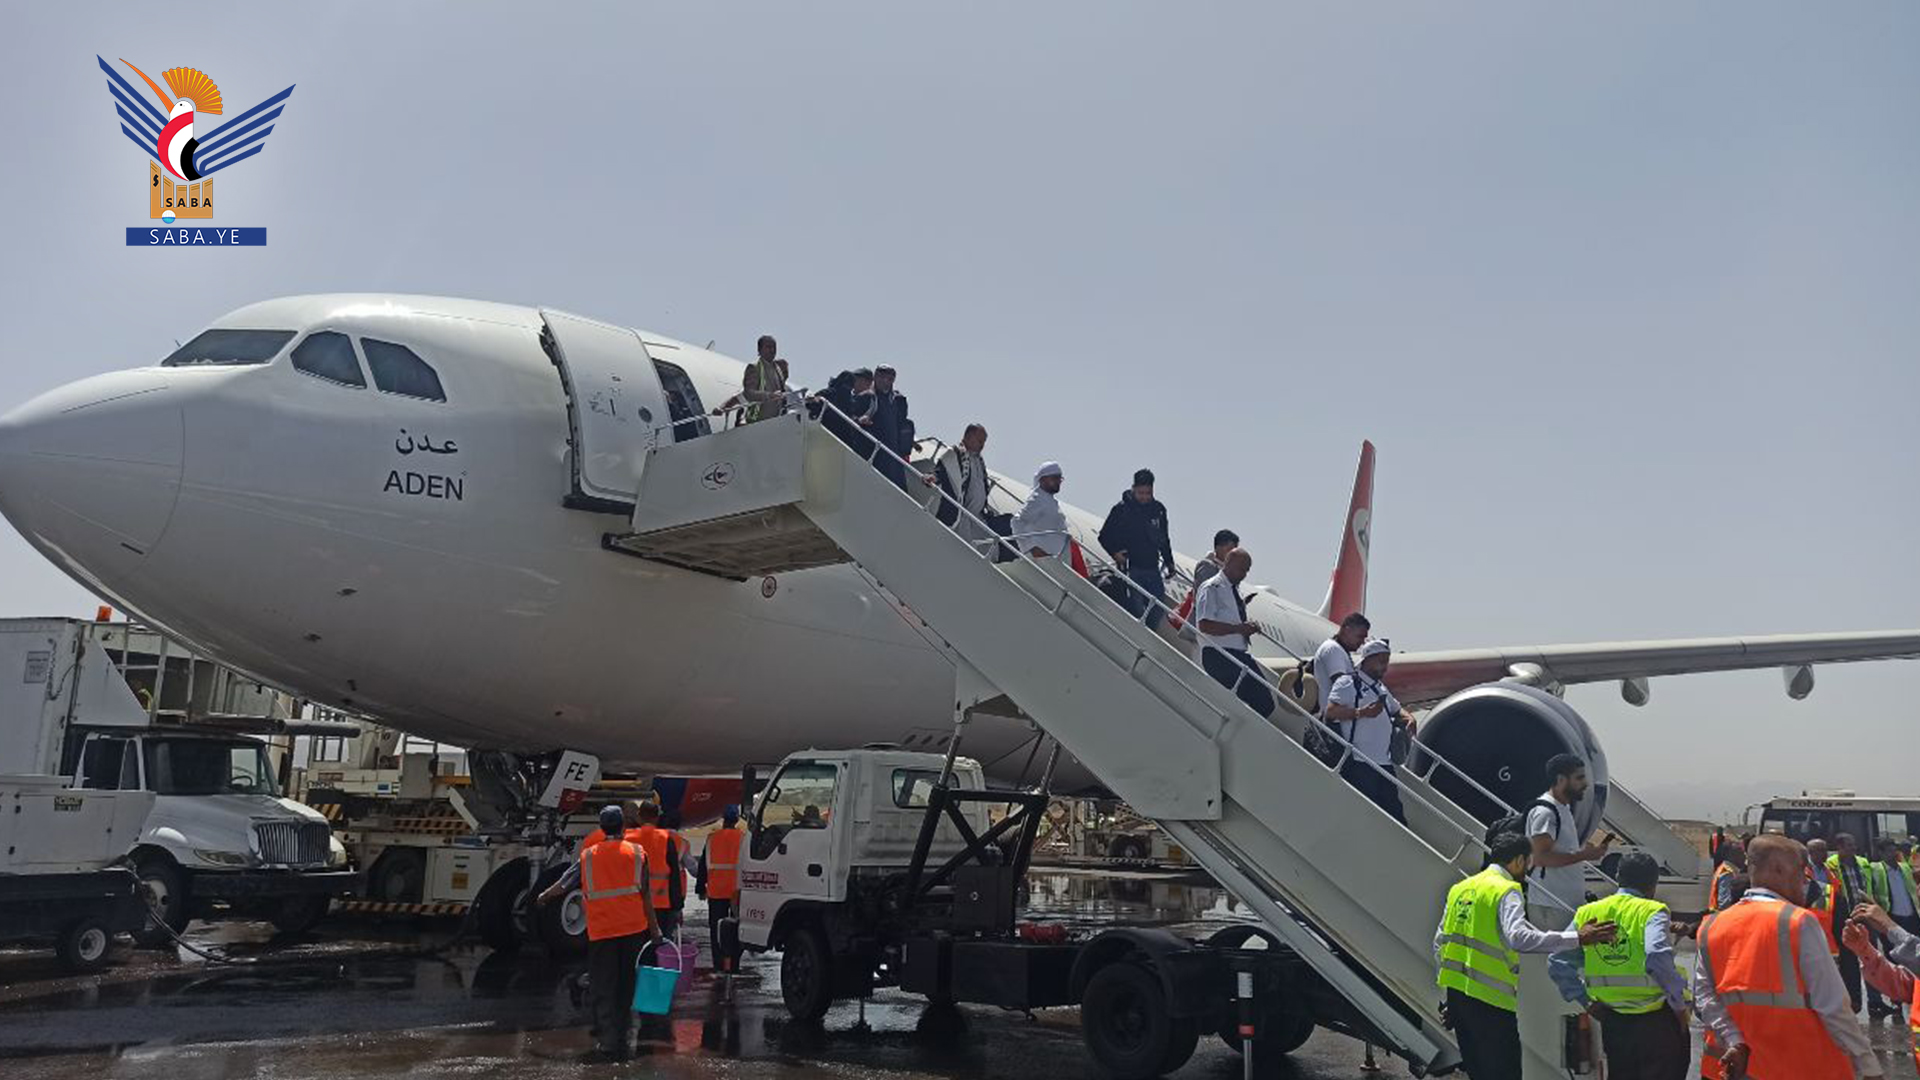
<point x="614" y="885"/>
<point x="663" y="847"/>
<point x="1766" y="988"/>
<point x="719" y="877"/>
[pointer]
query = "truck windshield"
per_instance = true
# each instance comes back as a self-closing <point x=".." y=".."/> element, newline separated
<point x="208" y="767"/>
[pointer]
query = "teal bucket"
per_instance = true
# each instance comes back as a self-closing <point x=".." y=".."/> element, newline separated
<point x="653" y="987"/>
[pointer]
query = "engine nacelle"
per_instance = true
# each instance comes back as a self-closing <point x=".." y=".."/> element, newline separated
<point x="1501" y="734"/>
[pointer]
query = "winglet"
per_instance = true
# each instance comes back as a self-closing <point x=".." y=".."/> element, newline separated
<point x="1347" y="593"/>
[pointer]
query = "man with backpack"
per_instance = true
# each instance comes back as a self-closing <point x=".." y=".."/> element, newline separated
<point x="1559" y="880"/>
<point x="1366" y="714"/>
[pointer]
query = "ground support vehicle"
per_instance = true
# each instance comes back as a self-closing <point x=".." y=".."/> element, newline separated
<point x="60" y="875"/>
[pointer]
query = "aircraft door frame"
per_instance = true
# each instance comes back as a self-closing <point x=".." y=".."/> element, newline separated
<point x="614" y="404"/>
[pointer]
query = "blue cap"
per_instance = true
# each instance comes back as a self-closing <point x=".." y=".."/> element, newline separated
<point x="612" y="821"/>
<point x="731" y="813"/>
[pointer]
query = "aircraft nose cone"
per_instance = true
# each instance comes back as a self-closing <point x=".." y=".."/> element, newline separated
<point x="94" y="465"/>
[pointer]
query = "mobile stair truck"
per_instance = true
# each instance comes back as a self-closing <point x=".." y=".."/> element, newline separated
<point x="59" y="875"/>
<point x="1347" y="897"/>
<point x="116" y="707"/>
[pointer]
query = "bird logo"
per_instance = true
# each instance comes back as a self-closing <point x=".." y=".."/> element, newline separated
<point x="179" y="181"/>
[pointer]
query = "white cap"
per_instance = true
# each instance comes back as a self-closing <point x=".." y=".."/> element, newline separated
<point x="1376" y="647"/>
<point x="1050" y="468"/>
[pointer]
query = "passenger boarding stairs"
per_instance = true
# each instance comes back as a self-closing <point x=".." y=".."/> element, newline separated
<point x="1356" y="894"/>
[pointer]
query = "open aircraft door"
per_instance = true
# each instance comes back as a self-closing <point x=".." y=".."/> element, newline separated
<point x="614" y="405"/>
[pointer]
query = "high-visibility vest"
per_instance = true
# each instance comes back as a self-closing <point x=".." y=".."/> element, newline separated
<point x="1616" y="973"/>
<point x="1865" y="868"/>
<point x="1474" y="959"/>
<point x="597" y="835"/>
<point x="723" y="864"/>
<point x="1713" y="885"/>
<point x="765" y="374"/>
<point x="654" y="839"/>
<point x="1823" y="913"/>
<point x="1913" y="1028"/>
<point x="612" y="873"/>
<point x="1752" y="954"/>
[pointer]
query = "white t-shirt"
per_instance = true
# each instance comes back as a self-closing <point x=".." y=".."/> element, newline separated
<point x="1556" y="886"/>
<point x="1215" y="601"/>
<point x="1330" y="662"/>
<point x="1372" y="735"/>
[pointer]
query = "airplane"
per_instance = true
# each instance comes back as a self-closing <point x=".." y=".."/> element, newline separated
<point x="396" y="505"/>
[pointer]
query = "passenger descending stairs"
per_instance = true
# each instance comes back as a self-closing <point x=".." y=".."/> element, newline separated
<point x="1356" y="894"/>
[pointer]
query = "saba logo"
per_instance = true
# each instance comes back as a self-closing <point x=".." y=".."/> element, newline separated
<point x="180" y="176"/>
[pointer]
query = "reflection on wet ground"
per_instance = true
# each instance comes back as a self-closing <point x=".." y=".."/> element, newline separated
<point x="348" y="1001"/>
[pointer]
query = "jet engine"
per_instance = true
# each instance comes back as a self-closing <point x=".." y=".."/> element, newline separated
<point x="1502" y="734"/>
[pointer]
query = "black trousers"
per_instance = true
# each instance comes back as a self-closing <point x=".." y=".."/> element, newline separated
<point x="1489" y="1037"/>
<point x="610" y="963"/>
<point x="1384" y="792"/>
<point x="1646" y="1046"/>
<point x="1227" y="665"/>
<point x="717" y="911"/>
<point x="1849" y="971"/>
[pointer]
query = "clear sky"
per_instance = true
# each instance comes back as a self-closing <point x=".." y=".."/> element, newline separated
<point x="1626" y="294"/>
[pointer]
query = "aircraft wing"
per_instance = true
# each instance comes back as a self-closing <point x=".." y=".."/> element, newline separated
<point x="1423" y="678"/>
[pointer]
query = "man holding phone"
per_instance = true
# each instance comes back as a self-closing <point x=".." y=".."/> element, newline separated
<point x="1559" y="857"/>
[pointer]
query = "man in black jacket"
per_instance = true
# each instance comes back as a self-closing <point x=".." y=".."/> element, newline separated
<point x="885" y="418"/>
<point x="1135" y="537"/>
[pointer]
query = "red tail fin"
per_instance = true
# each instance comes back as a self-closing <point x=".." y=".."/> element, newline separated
<point x="1348" y="591"/>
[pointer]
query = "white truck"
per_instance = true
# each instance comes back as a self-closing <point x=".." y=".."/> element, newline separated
<point x="60" y="877"/>
<point x="115" y="707"/>
<point x="883" y="867"/>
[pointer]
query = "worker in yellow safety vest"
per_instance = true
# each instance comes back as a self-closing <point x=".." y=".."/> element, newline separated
<point x="1483" y="930"/>
<point x="613" y="888"/>
<point x="1631" y="985"/>
<point x="719" y="877"/>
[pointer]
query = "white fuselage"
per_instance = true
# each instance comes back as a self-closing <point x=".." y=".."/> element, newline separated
<point x="412" y="558"/>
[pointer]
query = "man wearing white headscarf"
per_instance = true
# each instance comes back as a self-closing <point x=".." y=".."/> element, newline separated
<point x="1041" y="526"/>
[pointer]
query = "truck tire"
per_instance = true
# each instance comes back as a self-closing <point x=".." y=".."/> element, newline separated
<point x="399" y="876"/>
<point x="298" y="914"/>
<point x="563" y="925"/>
<point x="501" y="902"/>
<point x="806" y="975"/>
<point x="1131" y="848"/>
<point x="166" y="890"/>
<point x="1123" y="1018"/>
<point x="84" y="944"/>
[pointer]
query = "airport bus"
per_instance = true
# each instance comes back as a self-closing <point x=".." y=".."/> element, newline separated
<point x="1869" y="818"/>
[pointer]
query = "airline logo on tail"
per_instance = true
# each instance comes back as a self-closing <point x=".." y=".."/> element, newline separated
<point x="1347" y="592"/>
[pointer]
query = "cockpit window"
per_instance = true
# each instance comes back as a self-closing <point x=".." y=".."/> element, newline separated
<point x="229" y="347"/>
<point x="397" y="370"/>
<point x="329" y="355"/>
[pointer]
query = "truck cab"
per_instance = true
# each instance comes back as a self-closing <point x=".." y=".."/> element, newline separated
<point x="219" y="829"/>
<point x="830" y="826"/>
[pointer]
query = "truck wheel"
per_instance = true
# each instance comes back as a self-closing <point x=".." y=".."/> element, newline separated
<point x="563" y="925"/>
<point x="83" y="945"/>
<point x="166" y="891"/>
<point x="502" y="902"/>
<point x="298" y="914"/>
<point x="806" y="975"/>
<point x="1129" y="847"/>
<point x="399" y="877"/>
<point x="1123" y="1018"/>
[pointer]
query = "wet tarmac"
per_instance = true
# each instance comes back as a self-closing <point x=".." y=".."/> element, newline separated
<point x="360" y="999"/>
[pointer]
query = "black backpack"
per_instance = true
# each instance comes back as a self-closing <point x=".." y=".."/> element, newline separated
<point x="1517" y="823"/>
